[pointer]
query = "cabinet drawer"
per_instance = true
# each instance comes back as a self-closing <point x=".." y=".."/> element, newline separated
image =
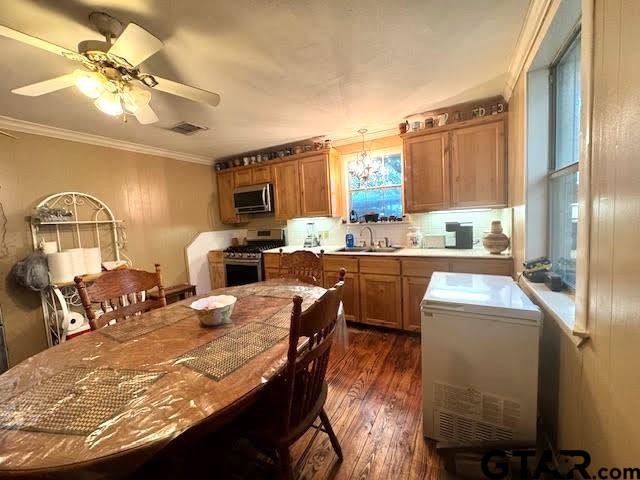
<point x="423" y="268"/>
<point x="383" y="266"/>
<point x="487" y="267"/>
<point x="333" y="263"/>
<point x="271" y="260"/>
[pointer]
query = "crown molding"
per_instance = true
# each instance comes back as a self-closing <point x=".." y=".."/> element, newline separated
<point x="73" y="136"/>
<point x="533" y="21"/>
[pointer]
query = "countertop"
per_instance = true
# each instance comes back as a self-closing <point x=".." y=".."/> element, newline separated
<point x="403" y="252"/>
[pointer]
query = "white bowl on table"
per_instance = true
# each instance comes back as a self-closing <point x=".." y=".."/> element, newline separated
<point x="214" y="310"/>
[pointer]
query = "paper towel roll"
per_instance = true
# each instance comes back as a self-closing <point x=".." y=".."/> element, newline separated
<point x="77" y="261"/>
<point x="49" y="247"/>
<point x="60" y="267"/>
<point x="92" y="260"/>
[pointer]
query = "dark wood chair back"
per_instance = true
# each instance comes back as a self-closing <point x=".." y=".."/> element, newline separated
<point x="302" y="265"/>
<point x="304" y="376"/>
<point x="120" y="294"/>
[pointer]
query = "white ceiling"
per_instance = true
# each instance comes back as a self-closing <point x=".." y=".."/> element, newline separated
<point x="286" y="69"/>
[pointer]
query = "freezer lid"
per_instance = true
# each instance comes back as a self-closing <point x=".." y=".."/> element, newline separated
<point x="492" y="295"/>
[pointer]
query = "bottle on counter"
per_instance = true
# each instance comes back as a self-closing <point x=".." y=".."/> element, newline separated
<point x="349" y="238"/>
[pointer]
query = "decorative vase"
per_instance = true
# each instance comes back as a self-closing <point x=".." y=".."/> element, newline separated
<point x="495" y="241"/>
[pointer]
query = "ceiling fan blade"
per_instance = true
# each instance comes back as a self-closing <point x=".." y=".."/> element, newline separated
<point x="146" y="115"/>
<point x="135" y="45"/>
<point x="39" y="43"/>
<point x="192" y="93"/>
<point x="7" y="134"/>
<point x="46" y="86"/>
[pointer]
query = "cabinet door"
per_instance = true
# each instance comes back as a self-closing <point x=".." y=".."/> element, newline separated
<point x="381" y="300"/>
<point x="287" y="190"/>
<point x="486" y="267"/>
<point x="216" y="271"/>
<point x="478" y="166"/>
<point x="426" y="173"/>
<point x="225" y="197"/>
<point x="413" y="289"/>
<point x="351" y="293"/>
<point x="314" y="185"/>
<point x="260" y="175"/>
<point x="243" y="177"/>
<point x="270" y="273"/>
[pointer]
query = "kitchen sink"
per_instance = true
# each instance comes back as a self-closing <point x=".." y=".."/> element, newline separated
<point x="384" y="249"/>
<point x="354" y="249"/>
<point x="369" y="249"/>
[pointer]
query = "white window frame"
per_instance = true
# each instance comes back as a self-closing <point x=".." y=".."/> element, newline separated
<point x="373" y="153"/>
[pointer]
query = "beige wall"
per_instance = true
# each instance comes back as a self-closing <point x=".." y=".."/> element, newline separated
<point x="590" y="393"/>
<point x="164" y="203"/>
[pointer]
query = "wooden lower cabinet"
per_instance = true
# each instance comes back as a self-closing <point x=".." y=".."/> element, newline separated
<point x="216" y="269"/>
<point x="351" y="293"/>
<point x="270" y="273"/>
<point x="381" y="300"/>
<point x="413" y="290"/>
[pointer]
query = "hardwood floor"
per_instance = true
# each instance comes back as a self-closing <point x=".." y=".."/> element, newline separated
<point x="375" y="407"/>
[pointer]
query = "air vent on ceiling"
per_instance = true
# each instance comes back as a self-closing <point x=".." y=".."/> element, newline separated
<point x="185" y="128"/>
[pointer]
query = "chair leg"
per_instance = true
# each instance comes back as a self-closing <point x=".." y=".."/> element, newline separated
<point x="332" y="436"/>
<point x="285" y="466"/>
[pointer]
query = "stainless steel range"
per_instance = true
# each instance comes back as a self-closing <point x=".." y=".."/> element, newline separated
<point x="243" y="263"/>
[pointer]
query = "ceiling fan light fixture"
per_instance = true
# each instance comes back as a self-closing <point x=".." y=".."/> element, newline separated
<point x="91" y="84"/>
<point x="109" y="103"/>
<point x="134" y="98"/>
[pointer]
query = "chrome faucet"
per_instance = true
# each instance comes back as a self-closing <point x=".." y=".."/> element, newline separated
<point x="370" y="235"/>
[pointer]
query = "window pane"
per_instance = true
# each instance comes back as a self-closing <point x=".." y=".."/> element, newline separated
<point x="387" y="201"/>
<point x="563" y="213"/>
<point x="567" y="109"/>
<point x="393" y="167"/>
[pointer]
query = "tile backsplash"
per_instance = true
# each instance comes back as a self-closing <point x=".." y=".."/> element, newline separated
<point x="429" y="223"/>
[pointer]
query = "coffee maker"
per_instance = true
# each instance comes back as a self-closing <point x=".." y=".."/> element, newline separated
<point x="460" y="235"/>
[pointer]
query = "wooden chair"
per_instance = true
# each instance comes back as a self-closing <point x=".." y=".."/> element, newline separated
<point x="298" y="397"/>
<point x="302" y="265"/>
<point x="121" y="294"/>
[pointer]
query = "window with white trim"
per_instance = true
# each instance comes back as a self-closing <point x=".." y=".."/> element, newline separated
<point x="564" y="156"/>
<point x="381" y="191"/>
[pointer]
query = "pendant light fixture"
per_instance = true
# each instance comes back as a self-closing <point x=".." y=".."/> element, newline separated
<point x="364" y="166"/>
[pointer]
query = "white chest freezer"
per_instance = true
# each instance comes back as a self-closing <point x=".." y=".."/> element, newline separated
<point x="480" y="341"/>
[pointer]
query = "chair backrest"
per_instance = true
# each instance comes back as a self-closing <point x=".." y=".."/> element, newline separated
<point x="120" y="294"/>
<point x="306" y="367"/>
<point x="302" y="265"/>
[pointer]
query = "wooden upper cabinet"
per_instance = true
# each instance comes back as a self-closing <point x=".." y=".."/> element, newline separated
<point x="226" y="184"/>
<point x="478" y="165"/>
<point x="261" y="174"/>
<point x="286" y="190"/>
<point x="243" y="178"/>
<point x="426" y="173"/>
<point x="315" y="186"/>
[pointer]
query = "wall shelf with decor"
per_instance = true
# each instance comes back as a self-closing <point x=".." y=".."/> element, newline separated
<point x="80" y="227"/>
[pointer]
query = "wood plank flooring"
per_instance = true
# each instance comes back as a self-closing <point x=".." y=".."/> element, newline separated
<point x="375" y="408"/>
<point x="374" y="405"/>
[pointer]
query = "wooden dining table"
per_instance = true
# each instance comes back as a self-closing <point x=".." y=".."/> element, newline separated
<point x="105" y="402"/>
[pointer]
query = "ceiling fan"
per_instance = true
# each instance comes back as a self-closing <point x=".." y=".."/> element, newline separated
<point x="111" y="74"/>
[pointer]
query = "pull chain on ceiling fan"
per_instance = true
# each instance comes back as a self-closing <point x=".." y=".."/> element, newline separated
<point x="112" y="77"/>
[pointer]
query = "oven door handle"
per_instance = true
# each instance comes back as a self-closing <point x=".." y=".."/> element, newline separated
<point x="241" y="262"/>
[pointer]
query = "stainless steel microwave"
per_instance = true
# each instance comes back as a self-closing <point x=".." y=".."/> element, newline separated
<point x="253" y="199"/>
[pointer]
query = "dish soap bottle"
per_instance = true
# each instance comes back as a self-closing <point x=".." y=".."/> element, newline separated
<point x="349" y="238"/>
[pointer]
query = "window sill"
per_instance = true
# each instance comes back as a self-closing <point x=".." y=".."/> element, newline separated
<point x="560" y="306"/>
